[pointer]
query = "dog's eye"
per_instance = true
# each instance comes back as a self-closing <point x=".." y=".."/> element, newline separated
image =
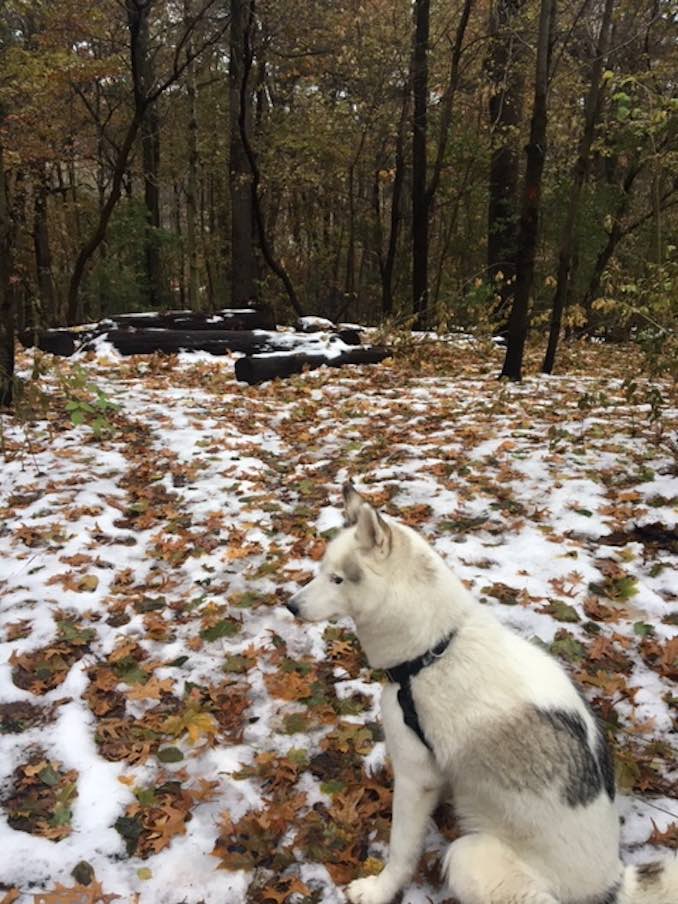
<point x="336" y="579"/>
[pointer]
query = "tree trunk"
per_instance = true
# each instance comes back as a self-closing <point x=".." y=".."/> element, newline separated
<point x="192" y="176"/>
<point x="267" y="251"/>
<point x="43" y="253"/>
<point x="138" y="12"/>
<point x="243" y="263"/>
<point x="396" y="204"/>
<point x="105" y="213"/>
<point x="567" y="240"/>
<point x="350" y="283"/>
<point x="505" y="111"/>
<point x="529" y="216"/>
<point x="419" y="136"/>
<point x="135" y="10"/>
<point x="447" y="104"/>
<point x="150" y="141"/>
<point x="6" y="295"/>
<point x="181" y="250"/>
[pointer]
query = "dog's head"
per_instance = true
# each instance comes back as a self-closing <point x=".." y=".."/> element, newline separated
<point x="353" y="575"/>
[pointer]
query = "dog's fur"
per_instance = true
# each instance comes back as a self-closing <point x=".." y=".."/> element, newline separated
<point x="510" y="738"/>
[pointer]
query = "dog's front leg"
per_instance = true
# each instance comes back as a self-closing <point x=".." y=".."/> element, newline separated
<point x="413" y="804"/>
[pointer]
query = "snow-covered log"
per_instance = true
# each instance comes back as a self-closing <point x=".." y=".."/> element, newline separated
<point x="216" y="342"/>
<point x="226" y="319"/>
<point x="62" y="342"/>
<point x="66" y="341"/>
<point x="259" y="368"/>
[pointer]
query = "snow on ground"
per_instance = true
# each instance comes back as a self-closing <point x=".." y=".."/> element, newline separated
<point x="142" y="577"/>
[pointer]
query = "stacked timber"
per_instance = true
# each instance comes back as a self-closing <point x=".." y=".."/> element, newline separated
<point x="268" y="353"/>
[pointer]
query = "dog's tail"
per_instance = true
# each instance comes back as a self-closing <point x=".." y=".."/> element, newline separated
<point x="651" y="883"/>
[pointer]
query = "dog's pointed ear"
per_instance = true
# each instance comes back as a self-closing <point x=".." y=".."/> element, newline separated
<point x="353" y="502"/>
<point x="372" y="532"/>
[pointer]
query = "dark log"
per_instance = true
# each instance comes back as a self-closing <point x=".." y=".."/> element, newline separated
<point x="194" y="320"/>
<point x="65" y="342"/>
<point x="217" y="342"/>
<point x="260" y="368"/>
<point x="59" y="342"/>
<point x="348" y="337"/>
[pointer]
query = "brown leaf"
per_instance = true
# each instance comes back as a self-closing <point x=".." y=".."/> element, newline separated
<point x="76" y="894"/>
<point x="668" y="838"/>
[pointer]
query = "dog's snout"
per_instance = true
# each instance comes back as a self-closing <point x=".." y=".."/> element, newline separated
<point x="292" y="606"/>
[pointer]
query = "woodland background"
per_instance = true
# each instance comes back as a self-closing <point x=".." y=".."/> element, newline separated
<point x="435" y="161"/>
<point x="167" y="729"/>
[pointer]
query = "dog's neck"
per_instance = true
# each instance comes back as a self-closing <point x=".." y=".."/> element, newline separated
<point x="416" y="628"/>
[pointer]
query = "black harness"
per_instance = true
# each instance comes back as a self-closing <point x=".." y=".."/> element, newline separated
<point x="402" y="675"/>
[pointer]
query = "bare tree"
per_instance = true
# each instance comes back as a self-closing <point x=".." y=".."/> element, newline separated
<point x="276" y="266"/>
<point x="419" y="155"/>
<point x="143" y="80"/>
<point x="192" y="175"/>
<point x="243" y="261"/>
<point x="531" y="198"/>
<point x="567" y="240"/>
<point x="7" y="313"/>
<point x="122" y="153"/>
<point x="505" y="110"/>
<point x="387" y="265"/>
<point x="41" y="242"/>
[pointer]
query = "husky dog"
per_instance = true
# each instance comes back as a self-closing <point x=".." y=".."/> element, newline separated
<point x="474" y="711"/>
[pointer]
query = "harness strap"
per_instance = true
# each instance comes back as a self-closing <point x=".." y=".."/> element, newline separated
<point x="402" y="675"/>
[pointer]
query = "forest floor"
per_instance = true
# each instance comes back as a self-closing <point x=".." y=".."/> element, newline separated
<point x="169" y="733"/>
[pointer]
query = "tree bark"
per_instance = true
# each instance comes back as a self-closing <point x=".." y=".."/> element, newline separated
<point x="273" y="263"/>
<point x="419" y="158"/>
<point x="91" y="245"/>
<point x="192" y="175"/>
<point x="43" y="252"/>
<point x="178" y="229"/>
<point x="143" y="78"/>
<point x="396" y="204"/>
<point x="567" y="240"/>
<point x="531" y="198"/>
<point x="7" y="311"/>
<point x="448" y="103"/>
<point x="120" y="174"/>
<point x="505" y="112"/>
<point x="243" y="263"/>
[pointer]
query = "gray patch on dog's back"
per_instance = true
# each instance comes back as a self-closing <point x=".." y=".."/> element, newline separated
<point x="605" y="762"/>
<point x="649" y="873"/>
<point x="540" y="748"/>
<point x="584" y="776"/>
<point x="603" y="752"/>
<point x="610" y="897"/>
<point x="352" y="570"/>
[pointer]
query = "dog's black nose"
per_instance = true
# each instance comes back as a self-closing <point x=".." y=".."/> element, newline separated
<point x="293" y="608"/>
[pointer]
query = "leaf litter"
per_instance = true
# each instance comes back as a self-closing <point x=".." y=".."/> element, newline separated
<point x="169" y="733"/>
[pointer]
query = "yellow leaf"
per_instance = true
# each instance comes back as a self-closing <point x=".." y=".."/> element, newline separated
<point x="201" y="724"/>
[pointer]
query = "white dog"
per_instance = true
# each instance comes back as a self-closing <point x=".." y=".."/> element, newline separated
<point x="476" y="712"/>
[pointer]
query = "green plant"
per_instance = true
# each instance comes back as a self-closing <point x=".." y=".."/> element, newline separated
<point x="86" y="402"/>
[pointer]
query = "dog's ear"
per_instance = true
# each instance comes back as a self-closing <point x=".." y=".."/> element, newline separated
<point x="353" y="502"/>
<point x="372" y="532"/>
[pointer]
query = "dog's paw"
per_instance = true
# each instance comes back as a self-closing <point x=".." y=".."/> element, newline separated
<point x="372" y="890"/>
